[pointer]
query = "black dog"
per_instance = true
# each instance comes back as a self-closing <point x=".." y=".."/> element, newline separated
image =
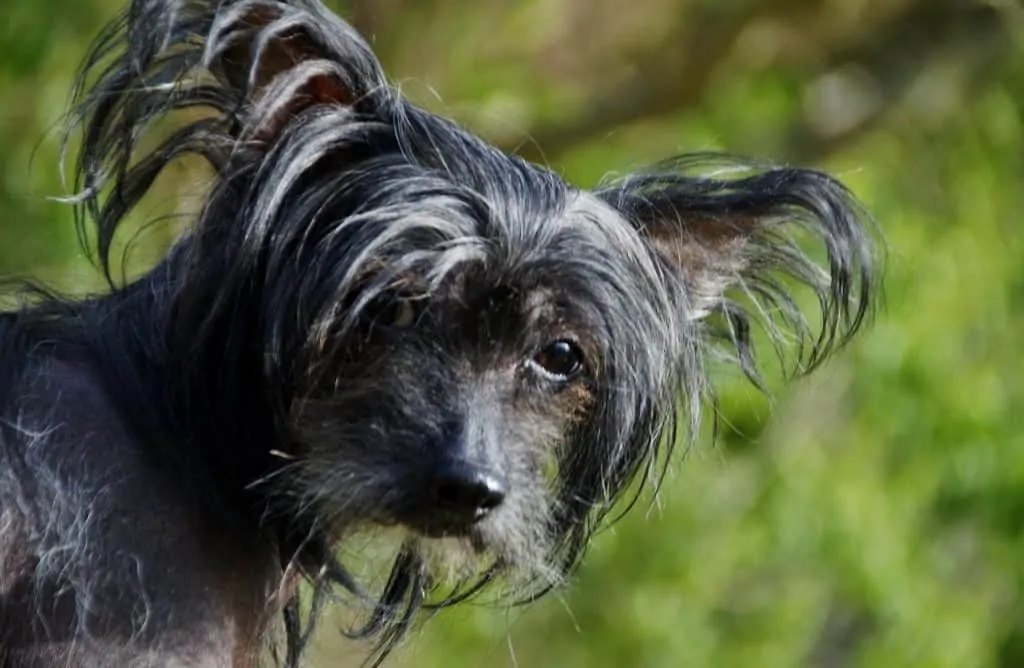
<point x="377" y="320"/>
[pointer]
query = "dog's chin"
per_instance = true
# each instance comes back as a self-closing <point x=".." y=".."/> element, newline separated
<point x="462" y="548"/>
<point x="471" y="533"/>
<point x="469" y="553"/>
<point x="467" y="539"/>
<point x="451" y="559"/>
<point x="505" y="544"/>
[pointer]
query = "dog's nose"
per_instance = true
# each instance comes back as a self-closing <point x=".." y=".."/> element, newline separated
<point x="465" y="493"/>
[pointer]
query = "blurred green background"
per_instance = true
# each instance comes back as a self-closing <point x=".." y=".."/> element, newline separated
<point x="873" y="515"/>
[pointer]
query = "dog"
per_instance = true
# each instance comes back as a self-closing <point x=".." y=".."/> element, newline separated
<point x="375" y="321"/>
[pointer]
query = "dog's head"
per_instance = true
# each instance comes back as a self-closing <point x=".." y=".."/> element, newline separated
<point x="446" y="338"/>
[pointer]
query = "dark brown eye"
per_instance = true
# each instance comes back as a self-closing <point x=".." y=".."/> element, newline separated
<point x="560" y="359"/>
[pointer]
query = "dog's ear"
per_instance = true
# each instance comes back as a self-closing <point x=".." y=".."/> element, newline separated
<point x="243" y="71"/>
<point x="286" y="58"/>
<point x="736" y="245"/>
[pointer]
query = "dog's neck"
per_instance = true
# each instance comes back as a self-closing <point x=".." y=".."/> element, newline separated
<point x="191" y="403"/>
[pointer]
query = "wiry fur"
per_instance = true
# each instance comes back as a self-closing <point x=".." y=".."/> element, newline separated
<point x="259" y="393"/>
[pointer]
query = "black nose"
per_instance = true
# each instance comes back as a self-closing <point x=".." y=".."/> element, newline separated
<point x="464" y="493"/>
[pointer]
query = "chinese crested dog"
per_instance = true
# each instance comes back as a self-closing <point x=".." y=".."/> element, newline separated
<point x="375" y="320"/>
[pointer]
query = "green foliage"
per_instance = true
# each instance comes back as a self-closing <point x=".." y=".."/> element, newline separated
<point x="871" y="515"/>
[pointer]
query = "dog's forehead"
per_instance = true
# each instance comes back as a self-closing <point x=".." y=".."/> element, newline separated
<point x="543" y="259"/>
<point x="533" y="253"/>
<point x="590" y="221"/>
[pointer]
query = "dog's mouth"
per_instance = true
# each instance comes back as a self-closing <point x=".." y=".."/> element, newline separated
<point x="471" y="535"/>
<point x="439" y="528"/>
<point x="451" y="516"/>
<point x="497" y="546"/>
<point x="428" y="525"/>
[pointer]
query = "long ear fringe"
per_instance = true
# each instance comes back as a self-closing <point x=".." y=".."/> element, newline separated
<point x="743" y="222"/>
<point x="215" y="58"/>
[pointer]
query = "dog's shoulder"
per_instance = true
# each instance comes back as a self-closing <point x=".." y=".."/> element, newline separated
<point x="96" y="526"/>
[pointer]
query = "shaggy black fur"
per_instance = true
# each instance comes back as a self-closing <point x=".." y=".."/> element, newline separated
<point x="376" y="320"/>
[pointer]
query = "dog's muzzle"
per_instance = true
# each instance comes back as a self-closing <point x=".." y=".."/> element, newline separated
<point x="455" y="496"/>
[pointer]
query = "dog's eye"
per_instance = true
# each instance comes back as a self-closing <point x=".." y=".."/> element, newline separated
<point x="561" y="359"/>
<point x="401" y="313"/>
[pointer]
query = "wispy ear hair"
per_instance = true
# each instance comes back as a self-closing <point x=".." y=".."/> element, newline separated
<point x="248" y="69"/>
<point x="739" y="231"/>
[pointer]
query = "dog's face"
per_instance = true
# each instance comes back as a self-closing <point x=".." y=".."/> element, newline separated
<point x="482" y="392"/>
<point x="442" y="337"/>
<point x="458" y="342"/>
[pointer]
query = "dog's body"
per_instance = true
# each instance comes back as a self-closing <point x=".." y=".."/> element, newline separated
<point x="377" y="320"/>
<point x="105" y="561"/>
